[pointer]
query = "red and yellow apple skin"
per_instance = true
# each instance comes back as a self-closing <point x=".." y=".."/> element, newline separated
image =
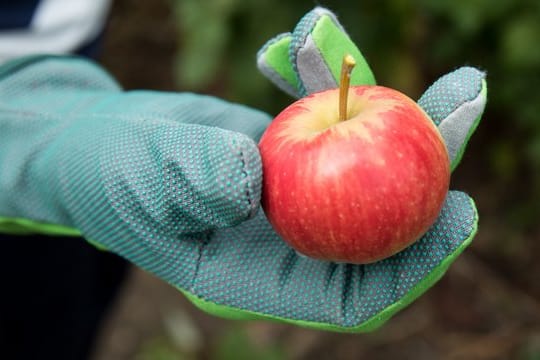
<point x="353" y="191"/>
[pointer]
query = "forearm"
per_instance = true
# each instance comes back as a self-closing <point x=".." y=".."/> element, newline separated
<point x="39" y="96"/>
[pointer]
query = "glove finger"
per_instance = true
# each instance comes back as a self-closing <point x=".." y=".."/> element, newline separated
<point x="273" y="62"/>
<point x="211" y="111"/>
<point x="456" y="102"/>
<point x="187" y="108"/>
<point x="156" y="178"/>
<point x="318" y="45"/>
<point x="249" y="272"/>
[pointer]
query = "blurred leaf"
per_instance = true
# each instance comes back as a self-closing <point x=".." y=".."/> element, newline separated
<point x="468" y="16"/>
<point x="237" y="345"/>
<point x="520" y="42"/>
<point x="531" y="347"/>
<point x="160" y="348"/>
<point x="182" y="330"/>
<point x="534" y="152"/>
<point x="205" y="33"/>
<point x="503" y="160"/>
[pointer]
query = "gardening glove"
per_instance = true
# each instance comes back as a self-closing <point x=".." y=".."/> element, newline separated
<point x="264" y="278"/>
<point x="244" y="271"/>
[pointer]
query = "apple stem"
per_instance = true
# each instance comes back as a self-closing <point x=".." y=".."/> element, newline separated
<point x="346" y="68"/>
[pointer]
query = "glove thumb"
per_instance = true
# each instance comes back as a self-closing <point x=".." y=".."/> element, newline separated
<point x="217" y="174"/>
<point x="185" y="178"/>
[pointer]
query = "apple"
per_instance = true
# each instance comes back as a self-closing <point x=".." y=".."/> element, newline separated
<point x="357" y="189"/>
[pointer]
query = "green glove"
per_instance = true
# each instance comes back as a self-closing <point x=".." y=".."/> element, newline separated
<point x="138" y="174"/>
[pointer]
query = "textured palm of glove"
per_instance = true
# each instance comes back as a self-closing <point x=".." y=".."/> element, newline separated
<point x="147" y="175"/>
<point x="262" y="277"/>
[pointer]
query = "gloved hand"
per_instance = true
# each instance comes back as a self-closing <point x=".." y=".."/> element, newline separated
<point x="132" y="172"/>
<point x="365" y="296"/>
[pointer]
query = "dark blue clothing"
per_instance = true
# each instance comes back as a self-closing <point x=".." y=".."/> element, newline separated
<point x="16" y="14"/>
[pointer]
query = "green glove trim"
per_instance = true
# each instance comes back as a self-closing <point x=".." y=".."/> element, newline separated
<point x="317" y="49"/>
<point x="329" y="38"/>
<point x="461" y="150"/>
<point x="373" y="323"/>
<point x="310" y="59"/>
<point x="20" y="226"/>
<point x="270" y="63"/>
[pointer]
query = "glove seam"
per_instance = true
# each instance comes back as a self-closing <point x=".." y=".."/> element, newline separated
<point x="203" y="242"/>
<point x="249" y="182"/>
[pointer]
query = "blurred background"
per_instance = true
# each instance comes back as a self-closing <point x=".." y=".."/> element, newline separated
<point x="488" y="304"/>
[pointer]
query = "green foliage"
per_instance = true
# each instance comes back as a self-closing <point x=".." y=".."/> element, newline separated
<point x="162" y="348"/>
<point x="237" y="345"/>
<point x="219" y="40"/>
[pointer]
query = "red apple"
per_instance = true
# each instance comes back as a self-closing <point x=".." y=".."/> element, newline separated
<point x="357" y="190"/>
